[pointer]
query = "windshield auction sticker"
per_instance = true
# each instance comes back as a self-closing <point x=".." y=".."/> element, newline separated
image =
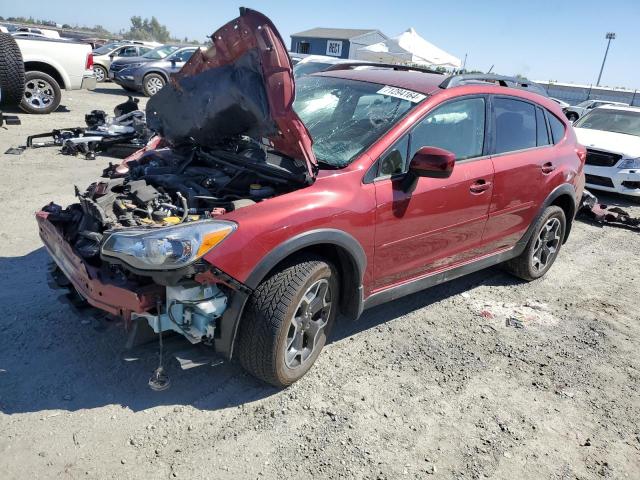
<point x="412" y="96"/>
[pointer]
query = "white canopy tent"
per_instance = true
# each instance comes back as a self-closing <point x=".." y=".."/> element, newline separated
<point x="408" y="47"/>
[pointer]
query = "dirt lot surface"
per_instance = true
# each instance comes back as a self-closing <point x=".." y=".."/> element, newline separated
<point x="435" y="385"/>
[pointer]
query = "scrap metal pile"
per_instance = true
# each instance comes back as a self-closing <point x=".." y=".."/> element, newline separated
<point x="118" y="136"/>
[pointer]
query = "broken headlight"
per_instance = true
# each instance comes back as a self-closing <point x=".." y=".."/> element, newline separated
<point x="630" y="163"/>
<point x="166" y="248"/>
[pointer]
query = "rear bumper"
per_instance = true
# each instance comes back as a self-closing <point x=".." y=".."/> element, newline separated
<point x="88" y="82"/>
<point x="88" y="281"/>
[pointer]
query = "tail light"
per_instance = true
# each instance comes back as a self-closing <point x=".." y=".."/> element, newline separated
<point x="582" y="153"/>
<point x="89" y="64"/>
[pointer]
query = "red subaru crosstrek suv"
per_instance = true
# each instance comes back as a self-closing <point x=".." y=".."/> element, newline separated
<point x="252" y="220"/>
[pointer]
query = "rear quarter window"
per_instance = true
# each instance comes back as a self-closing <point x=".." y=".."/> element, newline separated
<point x="557" y="127"/>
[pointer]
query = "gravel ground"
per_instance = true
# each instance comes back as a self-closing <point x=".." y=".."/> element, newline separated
<point x="433" y="385"/>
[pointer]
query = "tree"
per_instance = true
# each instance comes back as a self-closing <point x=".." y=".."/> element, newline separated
<point x="145" y="29"/>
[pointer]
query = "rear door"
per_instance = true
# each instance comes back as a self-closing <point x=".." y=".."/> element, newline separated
<point x="523" y="155"/>
<point x="439" y="223"/>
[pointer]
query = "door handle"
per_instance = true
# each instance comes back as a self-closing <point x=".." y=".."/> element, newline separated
<point x="480" y="186"/>
<point x="548" y="167"/>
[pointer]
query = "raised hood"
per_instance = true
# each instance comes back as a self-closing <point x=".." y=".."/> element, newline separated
<point x="242" y="85"/>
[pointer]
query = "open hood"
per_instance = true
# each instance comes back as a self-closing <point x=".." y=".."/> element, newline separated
<point x="241" y="86"/>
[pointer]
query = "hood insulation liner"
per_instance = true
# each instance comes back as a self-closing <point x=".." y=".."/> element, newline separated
<point x="215" y="106"/>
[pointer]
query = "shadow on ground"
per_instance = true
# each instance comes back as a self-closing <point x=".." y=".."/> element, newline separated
<point x="120" y="92"/>
<point x="53" y="357"/>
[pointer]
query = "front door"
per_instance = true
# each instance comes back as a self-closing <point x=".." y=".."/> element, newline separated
<point x="439" y="223"/>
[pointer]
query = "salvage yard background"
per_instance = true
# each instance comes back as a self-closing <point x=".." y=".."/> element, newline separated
<point x="433" y="384"/>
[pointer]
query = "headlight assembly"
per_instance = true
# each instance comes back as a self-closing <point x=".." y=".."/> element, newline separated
<point x="166" y="248"/>
<point x="630" y="163"/>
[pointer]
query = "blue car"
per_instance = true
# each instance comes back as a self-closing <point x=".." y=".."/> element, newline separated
<point x="150" y="72"/>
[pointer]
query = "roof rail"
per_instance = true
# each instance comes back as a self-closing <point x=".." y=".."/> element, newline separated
<point x="350" y="65"/>
<point x="503" y="81"/>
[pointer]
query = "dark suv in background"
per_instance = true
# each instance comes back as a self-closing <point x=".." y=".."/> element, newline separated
<point x="150" y="72"/>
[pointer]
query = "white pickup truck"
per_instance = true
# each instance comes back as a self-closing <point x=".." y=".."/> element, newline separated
<point x="52" y="65"/>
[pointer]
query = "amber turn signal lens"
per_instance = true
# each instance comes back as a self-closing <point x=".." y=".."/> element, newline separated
<point x="210" y="240"/>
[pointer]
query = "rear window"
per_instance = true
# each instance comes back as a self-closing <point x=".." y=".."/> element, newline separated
<point x="515" y="125"/>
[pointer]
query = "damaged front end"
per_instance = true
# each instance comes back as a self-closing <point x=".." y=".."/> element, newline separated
<point x="228" y="138"/>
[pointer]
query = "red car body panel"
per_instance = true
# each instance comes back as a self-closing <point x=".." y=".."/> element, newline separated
<point x="442" y="224"/>
<point x="252" y="30"/>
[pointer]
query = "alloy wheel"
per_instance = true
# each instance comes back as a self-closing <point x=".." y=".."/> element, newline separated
<point x="547" y="244"/>
<point x="308" y="324"/>
<point x="99" y="73"/>
<point x="154" y="85"/>
<point x="39" y="93"/>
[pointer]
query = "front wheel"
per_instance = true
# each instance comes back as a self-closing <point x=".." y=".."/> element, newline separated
<point x="152" y="84"/>
<point x="41" y="93"/>
<point x="543" y="247"/>
<point x="287" y="321"/>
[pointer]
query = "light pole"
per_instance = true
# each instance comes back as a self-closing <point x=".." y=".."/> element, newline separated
<point x="610" y="36"/>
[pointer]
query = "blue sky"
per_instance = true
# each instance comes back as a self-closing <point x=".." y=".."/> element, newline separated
<point x="545" y="40"/>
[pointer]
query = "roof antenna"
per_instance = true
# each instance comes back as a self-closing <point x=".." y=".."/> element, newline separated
<point x="159" y="381"/>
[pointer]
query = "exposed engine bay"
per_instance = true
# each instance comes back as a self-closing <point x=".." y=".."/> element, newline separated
<point x="226" y="138"/>
<point x="168" y="187"/>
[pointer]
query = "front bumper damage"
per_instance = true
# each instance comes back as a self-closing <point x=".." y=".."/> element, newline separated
<point x="88" y="281"/>
<point x="207" y="308"/>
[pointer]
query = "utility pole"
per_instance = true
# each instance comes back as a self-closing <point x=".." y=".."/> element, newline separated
<point x="610" y="36"/>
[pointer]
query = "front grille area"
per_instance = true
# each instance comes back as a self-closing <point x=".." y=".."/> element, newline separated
<point x="602" y="159"/>
<point x="598" y="180"/>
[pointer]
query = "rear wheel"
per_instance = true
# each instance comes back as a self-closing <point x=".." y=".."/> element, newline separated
<point x="100" y="73"/>
<point x="152" y="84"/>
<point x="11" y="71"/>
<point x="287" y="321"/>
<point x="41" y="93"/>
<point x="543" y="247"/>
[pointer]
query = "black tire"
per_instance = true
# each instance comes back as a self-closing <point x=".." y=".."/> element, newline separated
<point x="265" y="338"/>
<point x="11" y="71"/>
<point x="150" y="83"/>
<point x="572" y="116"/>
<point x="524" y="266"/>
<point x="99" y="69"/>
<point x="31" y="103"/>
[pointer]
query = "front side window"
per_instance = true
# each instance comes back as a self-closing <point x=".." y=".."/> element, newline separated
<point x="394" y="161"/>
<point x="457" y="126"/>
<point x="183" y="55"/>
<point x="345" y="117"/>
<point x="127" y="52"/>
<point x="515" y="125"/>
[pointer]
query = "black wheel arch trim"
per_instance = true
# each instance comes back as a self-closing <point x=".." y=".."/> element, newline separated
<point x="230" y="321"/>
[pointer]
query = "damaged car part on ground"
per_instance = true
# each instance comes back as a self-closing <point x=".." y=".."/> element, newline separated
<point x="603" y="214"/>
<point x="119" y="136"/>
<point x="233" y="229"/>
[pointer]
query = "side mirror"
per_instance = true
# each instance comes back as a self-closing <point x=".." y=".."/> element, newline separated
<point x="112" y="56"/>
<point x="173" y="62"/>
<point x="432" y="162"/>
